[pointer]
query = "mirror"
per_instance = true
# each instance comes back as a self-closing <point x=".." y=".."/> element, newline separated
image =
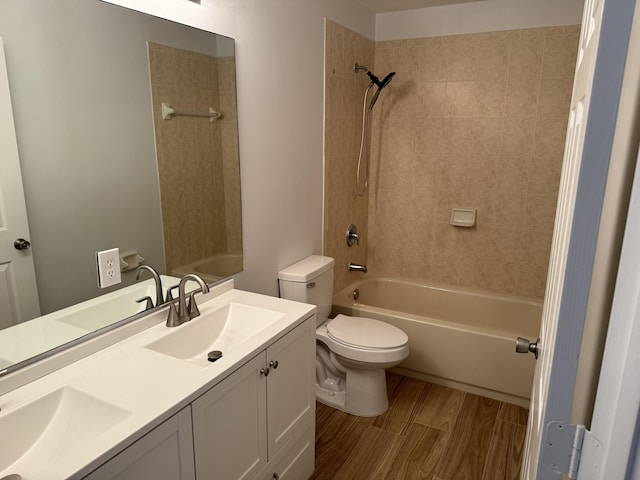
<point x="102" y="168"/>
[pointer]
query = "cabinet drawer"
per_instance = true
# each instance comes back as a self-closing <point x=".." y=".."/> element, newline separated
<point x="296" y="460"/>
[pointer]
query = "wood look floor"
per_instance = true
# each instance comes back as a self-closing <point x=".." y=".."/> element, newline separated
<point x="430" y="432"/>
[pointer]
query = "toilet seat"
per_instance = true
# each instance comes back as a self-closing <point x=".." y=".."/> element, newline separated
<point x="390" y="352"/>
<point x="365" y="333"/>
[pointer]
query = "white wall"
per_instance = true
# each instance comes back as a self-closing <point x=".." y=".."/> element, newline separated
<point x="475" y="17"/>
<point x="280" y="64"/>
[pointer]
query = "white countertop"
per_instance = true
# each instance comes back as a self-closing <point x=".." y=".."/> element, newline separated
<point x="148" y="384"/>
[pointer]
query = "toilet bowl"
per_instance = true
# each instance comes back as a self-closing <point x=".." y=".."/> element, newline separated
<point x="352" y="353"/>
<point x="360" y="349"/>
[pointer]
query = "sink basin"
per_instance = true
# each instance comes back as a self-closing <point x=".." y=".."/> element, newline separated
<point x="222" y="329"/>
<point x="42" y="430"/>
<point x="100" y="312"/>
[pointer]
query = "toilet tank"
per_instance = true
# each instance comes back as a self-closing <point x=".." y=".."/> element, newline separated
<point x="310" y="281"/>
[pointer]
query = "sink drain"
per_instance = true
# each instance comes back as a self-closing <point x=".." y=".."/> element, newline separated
<point x="214" y="355"/>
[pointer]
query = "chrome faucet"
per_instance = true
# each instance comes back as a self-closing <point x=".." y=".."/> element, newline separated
<point x="156" y="279"/>
<point x="185" y="312"/>
<point x="356" y="267"/>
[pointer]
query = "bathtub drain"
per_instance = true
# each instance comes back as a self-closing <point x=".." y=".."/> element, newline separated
<point x="356" y="294"/>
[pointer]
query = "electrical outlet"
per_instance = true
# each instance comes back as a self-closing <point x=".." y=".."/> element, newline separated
<point x="108" y="262"/>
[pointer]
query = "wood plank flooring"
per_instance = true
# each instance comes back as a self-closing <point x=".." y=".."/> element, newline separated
<point x="430" y="432"/>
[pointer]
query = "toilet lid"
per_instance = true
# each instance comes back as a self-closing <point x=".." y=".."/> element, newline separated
<point x="366" y="332"/>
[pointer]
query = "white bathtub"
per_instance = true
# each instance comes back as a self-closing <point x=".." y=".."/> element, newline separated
<point x="213" y="268"/>
<point x="460" y="338"/>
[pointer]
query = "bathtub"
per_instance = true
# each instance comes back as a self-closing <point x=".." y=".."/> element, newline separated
<point x="213" y="268"/>
<point x="459" y="338"/>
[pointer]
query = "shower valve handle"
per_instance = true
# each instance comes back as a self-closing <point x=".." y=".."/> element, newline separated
<point x="352" y="235"/>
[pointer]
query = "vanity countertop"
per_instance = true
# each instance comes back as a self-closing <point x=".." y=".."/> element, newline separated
<point x="148" y="386"/>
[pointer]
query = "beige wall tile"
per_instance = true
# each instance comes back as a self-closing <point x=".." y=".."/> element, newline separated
<point x="492" y="51"/>
<point x="432" y="60"/>
<point x="490" y="98"/>
<point x="527" y="48"/>
<point x="555" y="96"/>
<point x="469" y="121"/>
<point x="460" y="99"/>
<point x="406" y="62"/>
<point x="522" y="96"/>
<point x="560" y="49"/>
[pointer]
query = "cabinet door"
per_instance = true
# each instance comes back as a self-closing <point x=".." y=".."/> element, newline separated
<point x="229" y="425"/>
<point x="290" y="385"/>
<point x="165" y="453"/>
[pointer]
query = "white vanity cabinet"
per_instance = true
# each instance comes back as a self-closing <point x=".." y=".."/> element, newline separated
<point x="165" y="453"/>
<point x="259" y="421"/>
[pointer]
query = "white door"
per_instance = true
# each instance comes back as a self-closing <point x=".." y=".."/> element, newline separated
<point x="577" y="221"/>
<point x="18" y="291"/>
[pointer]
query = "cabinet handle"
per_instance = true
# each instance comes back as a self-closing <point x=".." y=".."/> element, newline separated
<point x="274" y="364"/>
<point x="264" y="371"/>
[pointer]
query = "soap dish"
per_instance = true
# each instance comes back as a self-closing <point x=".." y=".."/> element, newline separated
<point x="463" y="217"/>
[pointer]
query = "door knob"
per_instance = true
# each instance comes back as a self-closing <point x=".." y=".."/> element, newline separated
<point x="523" y="345"/>
<point x="21" y="244"/>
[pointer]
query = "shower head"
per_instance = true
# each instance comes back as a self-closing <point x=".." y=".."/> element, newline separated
<point x="385" y="81"/>
<point x="375" y="81"/>
<point x="380" y="84"/>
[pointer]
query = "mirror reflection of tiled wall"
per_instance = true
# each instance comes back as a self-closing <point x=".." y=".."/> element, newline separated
<point x="470" y="121"/>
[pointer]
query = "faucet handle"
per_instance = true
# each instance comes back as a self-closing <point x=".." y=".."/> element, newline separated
<point x="169" y="290"/>
<point x="192" y="307"/>
<point x="172" y="319"/>
<point x="149" y="304"/>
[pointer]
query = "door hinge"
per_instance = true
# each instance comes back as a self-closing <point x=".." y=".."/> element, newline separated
<point x="563" y="447"/>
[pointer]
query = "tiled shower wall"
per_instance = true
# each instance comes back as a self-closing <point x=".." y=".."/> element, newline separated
<point x="197" y="159"/>
<point x="470" y="121"/>
<point x="344" y="93"/>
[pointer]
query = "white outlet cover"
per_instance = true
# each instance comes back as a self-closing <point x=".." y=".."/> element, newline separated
<point x="108" y="264"/>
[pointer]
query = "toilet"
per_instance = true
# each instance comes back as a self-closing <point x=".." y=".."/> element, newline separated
<point x="352" y="353"/>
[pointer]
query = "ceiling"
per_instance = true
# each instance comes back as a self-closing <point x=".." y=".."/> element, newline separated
<point x="381" y="6"/>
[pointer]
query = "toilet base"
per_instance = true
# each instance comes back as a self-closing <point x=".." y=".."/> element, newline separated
<point x="364" y="394"/>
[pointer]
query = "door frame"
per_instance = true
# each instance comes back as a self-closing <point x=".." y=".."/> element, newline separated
<point x="615" y="422"/>
<point x="586" y="223"/>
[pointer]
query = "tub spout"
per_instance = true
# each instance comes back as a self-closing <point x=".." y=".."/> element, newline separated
<point x="356" y="267"/>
